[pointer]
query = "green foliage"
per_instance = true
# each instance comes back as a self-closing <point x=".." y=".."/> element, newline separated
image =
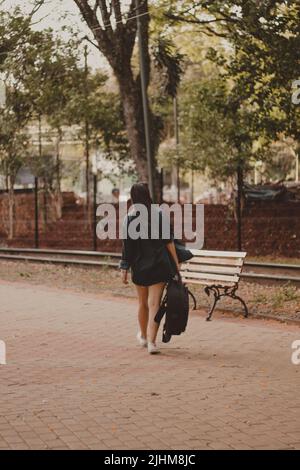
<point x="13" y="141"/>
<point x="13" y="149"/>
<point x="265" y="53"/>
<point x="46" y="70"/>
<point x="279" y="161"/>
<point x="13" y="31"/>
<point x="217" y="135"/>
<point x="45" y="79"/>
<point x="45" y="168"/>
<point x="240" y="60"/>
<point x="168" y="62"/>
<point x="91" y="102"/>
<point x="40" y="72"/>
<point x="257" y="64"/>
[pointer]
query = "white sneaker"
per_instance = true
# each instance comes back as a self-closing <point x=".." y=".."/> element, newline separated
<point x="153" y="349"/>
<point x="142" y="341"/>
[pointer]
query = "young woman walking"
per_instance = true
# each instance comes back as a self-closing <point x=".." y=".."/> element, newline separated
<point x="153" y="262"/>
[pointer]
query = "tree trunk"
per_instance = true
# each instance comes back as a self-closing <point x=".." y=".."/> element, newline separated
<point x="134" y="121"/>
<point x="58" y="198"/>
<point x="45" y="203"/>
<point x="133" y="115"/>
<point x="87" y="143"/>
<point x="44" y="208"/>
<point x="117" y="45"/>
<point x="11" y="208"/>
<point x="240" y="184"/>
<point x="87" y="172"/>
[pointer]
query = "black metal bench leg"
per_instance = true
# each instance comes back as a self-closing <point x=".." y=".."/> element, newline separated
<point x="246" y="314"/>
<point x="194" y="299"/>
<point x="216" y="293"/>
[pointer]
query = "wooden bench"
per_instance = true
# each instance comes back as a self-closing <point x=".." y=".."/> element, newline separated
<point x="218" y="271"/>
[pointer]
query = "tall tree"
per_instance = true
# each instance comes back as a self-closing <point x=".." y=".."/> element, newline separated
<point x="264" y="61"/>
<point x="14" y="29"/>
<point x="13" y="149"/>
<point x="44" y="70"/>
<point x="264" y="58"/>
<point x="115" y="32"/>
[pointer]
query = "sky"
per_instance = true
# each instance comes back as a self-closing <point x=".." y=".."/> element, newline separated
<point x="55" y="14"/>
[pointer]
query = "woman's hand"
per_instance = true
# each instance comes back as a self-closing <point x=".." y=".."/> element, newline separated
<point x="124" y="276"/>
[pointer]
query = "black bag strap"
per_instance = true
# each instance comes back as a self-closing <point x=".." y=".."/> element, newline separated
<point x="162" y="310"/>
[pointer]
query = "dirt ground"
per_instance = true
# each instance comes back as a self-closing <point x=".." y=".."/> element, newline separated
<point x="281" y="301"/>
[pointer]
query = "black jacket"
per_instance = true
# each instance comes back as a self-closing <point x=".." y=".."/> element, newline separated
<point x="149" y="259"/>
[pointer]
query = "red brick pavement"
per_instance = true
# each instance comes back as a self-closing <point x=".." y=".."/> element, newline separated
<point x="75" y="379"/>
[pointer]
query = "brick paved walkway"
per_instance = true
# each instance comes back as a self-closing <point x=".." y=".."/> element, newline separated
<point x="75" y="379"/>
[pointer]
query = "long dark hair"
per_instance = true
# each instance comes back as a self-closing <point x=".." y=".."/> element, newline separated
<point x="140" y="194"/>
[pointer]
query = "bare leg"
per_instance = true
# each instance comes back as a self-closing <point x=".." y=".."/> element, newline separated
<point x="155" y="295"/>
<point x="143" y="314"/>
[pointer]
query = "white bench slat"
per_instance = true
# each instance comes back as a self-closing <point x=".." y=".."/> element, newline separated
<point x="217" y="277"/>
<point x="206" y="283"/>
<point x="210" y="269"/>
<point x="222" y="261"/>
<point x="200" y="260"/>
<point x="219" y="254"/>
